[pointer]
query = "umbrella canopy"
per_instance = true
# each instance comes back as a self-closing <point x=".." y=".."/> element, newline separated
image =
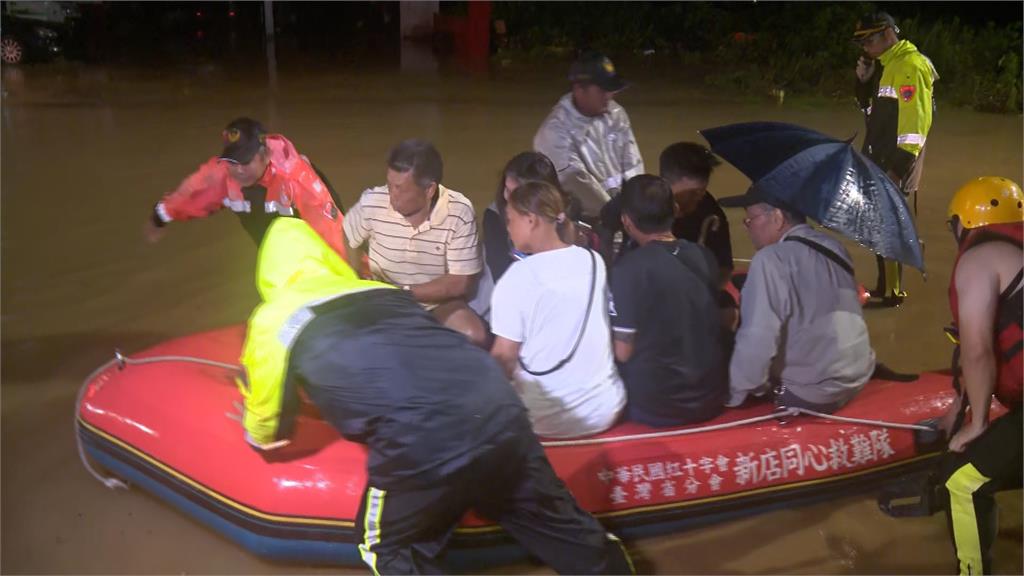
<point x="825" y="179"/>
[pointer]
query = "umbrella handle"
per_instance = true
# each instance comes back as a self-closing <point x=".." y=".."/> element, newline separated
<point x="711" y="222"/>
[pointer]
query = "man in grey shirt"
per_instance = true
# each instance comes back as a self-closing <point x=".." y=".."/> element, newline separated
<point x="588" y="136"/>
<point x="802" y="333"/>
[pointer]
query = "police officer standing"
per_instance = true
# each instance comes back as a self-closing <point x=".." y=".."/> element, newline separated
<point x="894" y="90"/>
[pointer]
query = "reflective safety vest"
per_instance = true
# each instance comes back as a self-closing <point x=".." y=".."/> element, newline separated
<point x="898" y="103"/>
<point x="295" y="271"/>
<point x="1009" y="337"/>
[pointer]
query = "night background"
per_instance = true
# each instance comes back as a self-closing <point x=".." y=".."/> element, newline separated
<point x="800" y="47"/>
<point x="107" y="106"/>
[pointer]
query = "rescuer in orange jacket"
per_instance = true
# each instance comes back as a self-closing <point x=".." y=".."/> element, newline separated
<point x="258" y="176"/>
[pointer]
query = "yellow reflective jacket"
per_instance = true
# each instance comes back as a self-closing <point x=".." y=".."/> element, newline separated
<point x="295" y="270"/>
<point x="898" y="103"/>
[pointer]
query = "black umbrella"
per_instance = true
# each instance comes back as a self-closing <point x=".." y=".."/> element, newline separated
<point x="825" y="179"/>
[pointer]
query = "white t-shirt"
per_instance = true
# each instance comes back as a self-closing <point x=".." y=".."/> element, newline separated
<point x="540" y="302"/>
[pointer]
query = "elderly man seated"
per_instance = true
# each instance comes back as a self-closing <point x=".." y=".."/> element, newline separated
<point x="802" y="334"/>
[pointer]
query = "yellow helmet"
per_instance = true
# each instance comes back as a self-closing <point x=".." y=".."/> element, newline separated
<point x="987" y="200"/>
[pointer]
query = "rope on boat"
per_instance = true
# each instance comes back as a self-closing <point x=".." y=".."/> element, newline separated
<point x="123" y="361"/>
<point x="665" y="434"/>
<point x="780" y="413"/>
<point x="879" y="423"/>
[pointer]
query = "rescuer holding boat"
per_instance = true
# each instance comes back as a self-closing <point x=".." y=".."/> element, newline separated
<point x="445" y="431"/>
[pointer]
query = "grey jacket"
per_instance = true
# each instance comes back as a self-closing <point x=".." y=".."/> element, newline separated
<point x="801" y="325"/>
<point x="593" y="155"/>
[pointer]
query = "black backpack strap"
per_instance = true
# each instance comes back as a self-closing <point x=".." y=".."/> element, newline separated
<point x="1013" y="287"/>
<point x="705" y="275"/>
<point x="823" y="251"/>
<point x="1011" y="308"/>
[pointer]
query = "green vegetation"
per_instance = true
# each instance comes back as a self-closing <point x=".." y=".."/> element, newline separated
<point x="802" y="48"/>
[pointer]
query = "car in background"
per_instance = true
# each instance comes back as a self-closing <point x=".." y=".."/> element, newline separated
<point x="33" y="30"/>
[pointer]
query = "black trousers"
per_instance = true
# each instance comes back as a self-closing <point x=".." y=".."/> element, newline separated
<point x="405" y="530"/>
<point x="970" y="480"/>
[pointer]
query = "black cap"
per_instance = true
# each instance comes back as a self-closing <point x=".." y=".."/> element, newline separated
<point x="751" y="197"/>
<point x="242" y="139"/>
<point x="595" y="68"/>
<point x="872" y="23"/>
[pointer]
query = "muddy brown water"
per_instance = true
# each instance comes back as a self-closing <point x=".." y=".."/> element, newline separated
<point x="87" y="151"/>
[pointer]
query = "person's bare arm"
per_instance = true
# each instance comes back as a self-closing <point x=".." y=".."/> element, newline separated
<point x="977" y="285"/>
<point x="444" y="288"/>
<point x="506" y="352"/>
<point x="623" y="343"/>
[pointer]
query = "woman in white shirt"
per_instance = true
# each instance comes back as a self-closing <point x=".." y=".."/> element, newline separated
<point x="550" y="320"/>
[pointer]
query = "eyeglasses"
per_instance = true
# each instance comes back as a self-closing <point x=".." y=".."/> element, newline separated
<point x="748" y="221"/>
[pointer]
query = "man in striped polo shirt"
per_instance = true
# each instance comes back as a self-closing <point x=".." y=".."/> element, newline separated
<point x="421" y="236"/>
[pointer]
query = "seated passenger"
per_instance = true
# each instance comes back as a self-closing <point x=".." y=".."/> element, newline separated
<point x="422" y="237"/>
<point x="499" y="252"/>
<point x="802" y="332"/>
<point x="687" y="167"/>
<point x="550" y="322"/>
<point x="664" y="319"/>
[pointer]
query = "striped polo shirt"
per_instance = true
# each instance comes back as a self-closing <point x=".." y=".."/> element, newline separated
<point x="445" y="243"/>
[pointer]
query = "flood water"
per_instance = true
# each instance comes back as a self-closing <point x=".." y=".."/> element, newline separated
<point x="87" y="151"/>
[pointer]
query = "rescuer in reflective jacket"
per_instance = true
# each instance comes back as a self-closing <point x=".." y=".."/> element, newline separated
<point x="894" y="90"/>
<point x="260" y="177"/>
<point x="444" y="429"/>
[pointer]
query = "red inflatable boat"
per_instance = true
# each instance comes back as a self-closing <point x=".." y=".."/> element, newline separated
<point x="171" y="426"/>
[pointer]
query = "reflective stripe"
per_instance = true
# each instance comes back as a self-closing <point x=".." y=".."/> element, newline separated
<point x="625" y="553"/>
<point x="273" y="206"/>
<point x="962" y="485"/>
<point x="887" y="92"/>
<point x="910" y="139"/>
<point x="371" y="526"/>
<point x="297" y="321"/>
<point x="161" y="212"/>
<point x="293" y="325"/>
<point x="238" y="205"/>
